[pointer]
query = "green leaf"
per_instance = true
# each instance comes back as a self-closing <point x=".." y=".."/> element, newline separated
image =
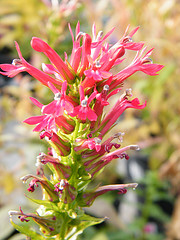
<point x="25" y="230"/>
<point x="158" y="213"/>
<point x="83" y="222"/>
<point x="50" y="205"/>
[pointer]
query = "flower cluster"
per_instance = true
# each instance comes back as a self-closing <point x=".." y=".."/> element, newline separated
<point x="74" y="123"/>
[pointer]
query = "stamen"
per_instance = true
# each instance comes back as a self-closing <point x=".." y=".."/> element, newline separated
<point x="40" y="157"/>
<point x="25" y="178"/>
<point x="17" y="62"/>
<point x="147" y="60"/>
<point x="12" y="212"/>
<point x="106" y="87"/>
<point x="98" y="65"/>
<point x="127" y="39"/>
<point x="129" y="92"/>
<point x="99" y="35"/>
<point x="119" y="136"/>
<point x="134" y="147"/>
<point x="79" y="36"/>
<point x="84" y="103"/>
<point x="57" y="96"/>
<point x="62" y="184"/>
<point x="97" y="140"/>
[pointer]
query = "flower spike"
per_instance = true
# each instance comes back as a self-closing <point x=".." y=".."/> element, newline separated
<point x="75" y="123"/>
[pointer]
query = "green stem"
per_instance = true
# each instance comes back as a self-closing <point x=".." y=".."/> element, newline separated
<point x="61" y="235"/>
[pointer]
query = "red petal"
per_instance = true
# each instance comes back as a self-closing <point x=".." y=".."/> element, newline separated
<point x="34" y="120"/>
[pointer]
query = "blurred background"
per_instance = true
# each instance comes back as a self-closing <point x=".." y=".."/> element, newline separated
<point x="152" y="212"/>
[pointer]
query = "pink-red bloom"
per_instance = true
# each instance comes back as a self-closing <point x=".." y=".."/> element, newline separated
<point x="87" y="198"/>
<point x="90" y="143"/>
<point x="121" y="105"/>
<point x="83" y="111"/>
<point x="52" y="111"/>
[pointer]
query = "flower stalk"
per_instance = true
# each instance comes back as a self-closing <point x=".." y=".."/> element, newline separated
<point x="75" y="124"/>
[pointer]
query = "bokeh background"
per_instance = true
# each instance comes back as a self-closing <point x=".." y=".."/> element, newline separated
<point x="152" y="212"/>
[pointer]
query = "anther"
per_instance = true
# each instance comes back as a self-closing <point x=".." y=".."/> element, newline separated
<point x="79" y="36"/>
<point x="97" y="140"/>
<point x="57" y="96"/>
<point x="129" y="92"/>
<point x="127" y="39"/>
<point x="40" y="156"/>
<point x="98" y="65"/>
<point x="119" y="136"/>
<point x="25" y="178"/>
<point x="16" y="62"/>
<point x="147" y="60"/>
<point x="11" y="213"/>
<point x="134" y="147"/>
<point x="106" y="87"/>
<point x="99" y="35"/>
<point x="84" y="103"/>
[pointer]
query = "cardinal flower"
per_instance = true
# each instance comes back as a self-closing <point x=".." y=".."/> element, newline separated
<point x="52" y="111"/>
<point x="83" y="111"/>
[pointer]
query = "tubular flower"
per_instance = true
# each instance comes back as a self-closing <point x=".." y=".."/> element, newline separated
<point x="62" y="146"/>
<point x="62" y="171"/>
<point x="75" y="125"/>
<point x="45" y="184"/>
<point x="67" y="193"/>
<point x="53" y="112"/>
<point x="91" y="143"/>
<point x="45" y="223"/>
<point x="83" y="111"/>
<point x="88" y="197"/>
<point x="121" y="105"/>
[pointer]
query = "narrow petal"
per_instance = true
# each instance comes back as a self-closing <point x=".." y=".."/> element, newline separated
<point x="36" y="102"/>
<point x="53" y="88"/>
<point x="41" y="46"/>
<point x="41" y="126"/>
<point x="91" y="115"/>
<point x="34" y="120"/>
<point x="49" y="108"/>
<point x="81" y="92"/>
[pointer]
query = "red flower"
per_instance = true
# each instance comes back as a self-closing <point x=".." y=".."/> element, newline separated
<point x="51" y="111"/>
<point x="83" y="111"/>
<point x="20" y="65"/>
